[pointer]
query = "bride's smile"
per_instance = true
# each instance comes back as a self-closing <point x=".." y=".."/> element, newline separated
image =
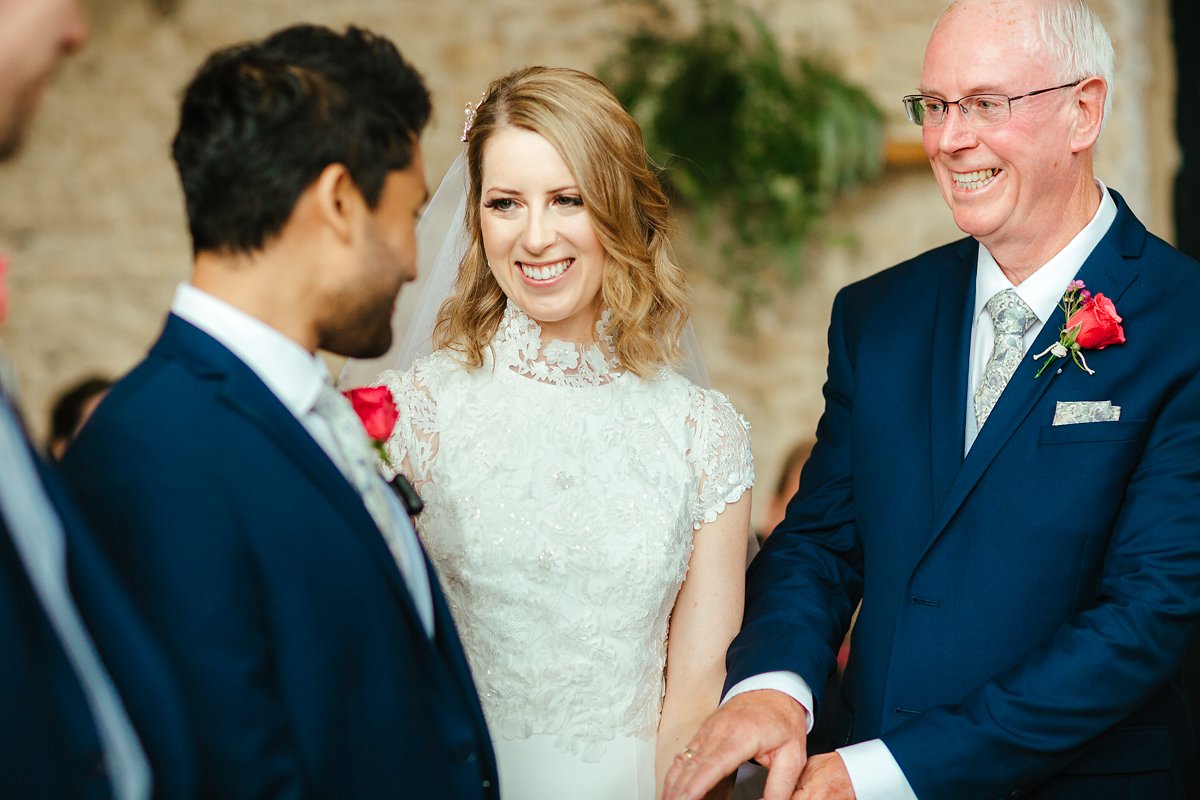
<point x="545" y="272"/>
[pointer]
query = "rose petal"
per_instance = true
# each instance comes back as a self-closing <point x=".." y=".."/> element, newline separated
<point x="1100" y="325"/>
<point x="376" y="408"/>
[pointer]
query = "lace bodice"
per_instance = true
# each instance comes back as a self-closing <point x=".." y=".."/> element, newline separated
<point x="561" y="495"/>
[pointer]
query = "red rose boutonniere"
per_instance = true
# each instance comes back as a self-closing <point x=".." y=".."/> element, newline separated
<point x="376" y="408"/>
<point x="1092" y="324"/>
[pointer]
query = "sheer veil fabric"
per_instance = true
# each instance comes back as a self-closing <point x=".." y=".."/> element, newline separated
<point x="442" y="242"/>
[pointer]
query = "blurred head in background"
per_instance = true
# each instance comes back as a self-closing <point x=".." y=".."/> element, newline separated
<point x="34" y="37"/>
<point x="71" y="410"/>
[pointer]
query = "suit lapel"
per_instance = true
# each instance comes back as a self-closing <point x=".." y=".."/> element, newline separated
<point x="948" y="374"/>
<point x="1105" y="271"/>
<point x="244" y="392"/>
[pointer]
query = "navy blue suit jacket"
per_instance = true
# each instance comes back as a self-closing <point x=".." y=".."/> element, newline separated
<point x="301" y="653"/>
<point x="1025" y="607"/>
<point x="49" y="745"/>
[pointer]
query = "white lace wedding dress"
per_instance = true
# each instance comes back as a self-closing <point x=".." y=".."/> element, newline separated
<point x="561" y="496"/>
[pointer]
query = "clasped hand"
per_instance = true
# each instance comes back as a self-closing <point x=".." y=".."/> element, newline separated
<point x="771" y="728"/>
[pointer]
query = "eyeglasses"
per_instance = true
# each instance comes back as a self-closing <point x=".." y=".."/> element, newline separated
<point x="981" y="110"/>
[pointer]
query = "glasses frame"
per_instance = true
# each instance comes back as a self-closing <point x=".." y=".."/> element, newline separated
<point x="908" y="99"/>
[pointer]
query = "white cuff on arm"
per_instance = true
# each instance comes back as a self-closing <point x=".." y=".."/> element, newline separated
<point x="789" y="683"/>
<point x="874" y="772"/>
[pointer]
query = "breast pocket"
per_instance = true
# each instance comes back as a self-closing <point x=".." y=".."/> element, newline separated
<point x="1093" y="433"/>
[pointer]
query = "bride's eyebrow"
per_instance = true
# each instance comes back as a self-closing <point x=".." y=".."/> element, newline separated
<point x="568" y="189"/>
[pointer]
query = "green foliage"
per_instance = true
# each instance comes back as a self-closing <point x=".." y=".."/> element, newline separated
<point x="755" y="144"/>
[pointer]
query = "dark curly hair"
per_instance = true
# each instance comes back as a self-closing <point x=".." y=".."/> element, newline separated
<point x="260" y="121"/>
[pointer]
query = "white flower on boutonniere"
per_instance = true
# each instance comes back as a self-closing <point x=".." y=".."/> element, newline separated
<point x="1091" y="323"/>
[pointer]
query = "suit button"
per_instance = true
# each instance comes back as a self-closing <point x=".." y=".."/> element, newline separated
<point x="486" y="784"/>
<point x="463" y="754"/>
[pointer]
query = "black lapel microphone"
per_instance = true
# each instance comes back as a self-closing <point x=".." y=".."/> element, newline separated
<point x="409" y="498"/>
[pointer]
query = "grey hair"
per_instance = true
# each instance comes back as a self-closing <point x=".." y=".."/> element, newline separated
<point x="1074" y="38"/>
<point x="1077" y="43"/>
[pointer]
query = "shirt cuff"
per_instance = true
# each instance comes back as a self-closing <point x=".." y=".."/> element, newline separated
<point x="789" y="683"/>
<point x="874" y="772"/>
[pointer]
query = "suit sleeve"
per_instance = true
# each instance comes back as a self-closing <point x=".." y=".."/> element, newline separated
<point x="1104" y="662"/>
<point x="175" y="537"/>
<point x="804" y="585"/>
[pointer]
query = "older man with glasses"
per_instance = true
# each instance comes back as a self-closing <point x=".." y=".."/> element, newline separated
<point x="1007" y="474"/>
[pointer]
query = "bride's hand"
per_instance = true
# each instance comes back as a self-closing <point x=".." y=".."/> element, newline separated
<point x="767" y="726"/>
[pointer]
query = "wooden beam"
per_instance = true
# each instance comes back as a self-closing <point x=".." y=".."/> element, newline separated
<point x="903" y="154"/>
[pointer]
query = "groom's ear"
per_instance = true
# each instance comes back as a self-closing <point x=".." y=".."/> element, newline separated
<point x="336" y="201"/>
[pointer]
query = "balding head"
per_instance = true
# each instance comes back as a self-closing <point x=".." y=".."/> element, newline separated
<point x="1068" y="34"/>
<point x="34" y="36"/>
<point x="1012" y="152"/>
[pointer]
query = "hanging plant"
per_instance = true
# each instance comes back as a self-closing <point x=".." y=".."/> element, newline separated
<point x="756" y="145"/>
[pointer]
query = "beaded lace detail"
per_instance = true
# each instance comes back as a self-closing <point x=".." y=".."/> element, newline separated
<point x="559" y="362"/>
<point x="561" y="495"/>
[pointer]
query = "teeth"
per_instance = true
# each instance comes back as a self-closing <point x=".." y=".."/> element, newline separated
<point x="547" y="272"/>
<point x="973" y="180"/>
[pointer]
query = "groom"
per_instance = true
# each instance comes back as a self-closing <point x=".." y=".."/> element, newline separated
<point x="1026" y="549"/>
<point x="232" y="484"/>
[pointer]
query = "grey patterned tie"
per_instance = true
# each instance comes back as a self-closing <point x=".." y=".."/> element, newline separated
<point x="357" y="461"/>
<point x="1011" y="318"/>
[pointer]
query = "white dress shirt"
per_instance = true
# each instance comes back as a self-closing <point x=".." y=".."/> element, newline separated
<point x="40" y="542"/>
<point x="1042" y="292"/>
<point x="296" y="376"/>
<point x="873" y="770"/>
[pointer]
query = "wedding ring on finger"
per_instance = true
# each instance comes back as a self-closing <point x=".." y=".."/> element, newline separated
<point x="686" y="755"/>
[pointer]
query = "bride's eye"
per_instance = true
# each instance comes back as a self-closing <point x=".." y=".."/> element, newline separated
<point x="569" y="201"/>
<point x="500" y="203"/>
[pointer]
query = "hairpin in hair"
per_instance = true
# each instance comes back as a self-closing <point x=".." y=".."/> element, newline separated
<point x="470" y="111"/>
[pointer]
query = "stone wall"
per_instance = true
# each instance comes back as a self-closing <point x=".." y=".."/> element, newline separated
<point x="92" y="221"/>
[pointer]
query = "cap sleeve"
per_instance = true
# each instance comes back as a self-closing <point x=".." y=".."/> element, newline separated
<point x="414" y="440"/>
<point x="721" y="457"/>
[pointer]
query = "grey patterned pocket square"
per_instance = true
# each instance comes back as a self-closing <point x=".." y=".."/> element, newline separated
<point x="1090" y="411"/>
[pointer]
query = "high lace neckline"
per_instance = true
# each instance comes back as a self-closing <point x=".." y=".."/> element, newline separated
<point x="518" y="346"/>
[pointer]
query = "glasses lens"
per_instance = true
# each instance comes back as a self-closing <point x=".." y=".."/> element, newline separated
<point x="923" y="110"/>
<point x="984" y="110"/>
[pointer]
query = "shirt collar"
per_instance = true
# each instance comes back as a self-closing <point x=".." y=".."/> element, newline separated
<point x="293" y="374"/>
<point x="1043" y="290"/>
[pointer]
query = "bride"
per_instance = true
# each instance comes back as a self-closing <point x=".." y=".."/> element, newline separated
<point x="585" y="506"/>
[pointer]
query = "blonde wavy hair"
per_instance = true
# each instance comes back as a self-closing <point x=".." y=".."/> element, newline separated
<point x="602" y="145"/>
